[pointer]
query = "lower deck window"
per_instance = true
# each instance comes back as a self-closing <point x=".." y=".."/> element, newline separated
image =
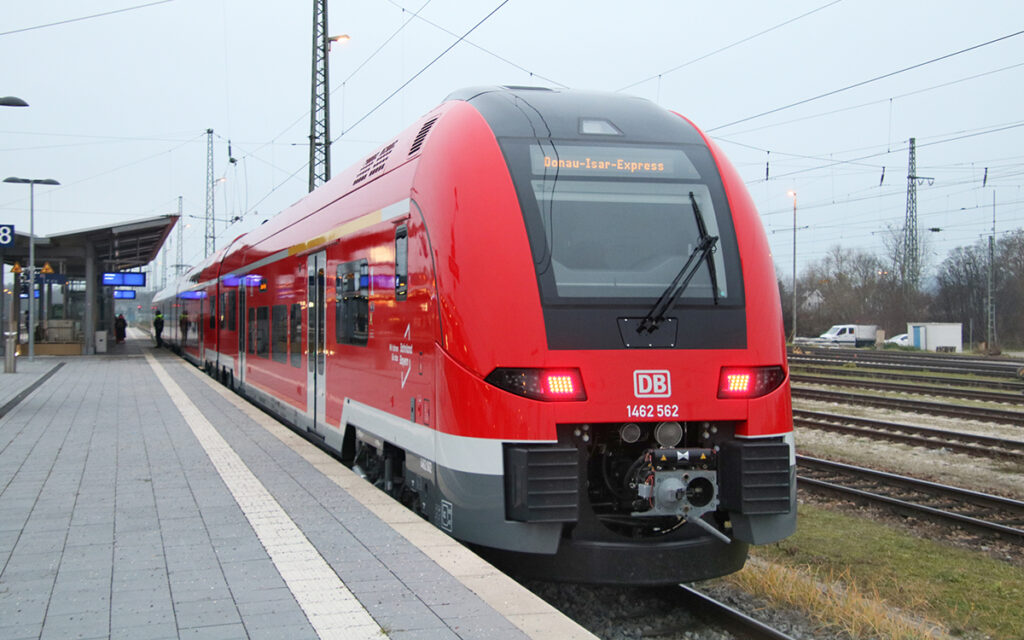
<point x="262" y="331"/>
<point x="279" y="333"/>
<point x="296" y="335"/>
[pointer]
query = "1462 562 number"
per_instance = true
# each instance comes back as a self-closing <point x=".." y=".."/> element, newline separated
<point x="652" y="410"/>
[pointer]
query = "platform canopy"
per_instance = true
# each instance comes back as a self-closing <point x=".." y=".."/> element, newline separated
<point x="114" y="247"/>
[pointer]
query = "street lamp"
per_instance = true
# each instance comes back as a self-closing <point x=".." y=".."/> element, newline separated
<point x="792" y="194"/>
<point x="11" y="101"/>
<point x="31" y="256"/>
<point x="343" y="38"/>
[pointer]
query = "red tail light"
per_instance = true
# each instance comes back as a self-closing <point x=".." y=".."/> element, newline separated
<point x="550" y="385"/>
<point x="749" y="382"/>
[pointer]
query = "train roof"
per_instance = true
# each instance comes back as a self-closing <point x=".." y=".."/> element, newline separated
<point x="566" y="114"/>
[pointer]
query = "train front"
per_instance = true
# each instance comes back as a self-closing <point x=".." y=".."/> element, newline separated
<point x="611" y="315"/>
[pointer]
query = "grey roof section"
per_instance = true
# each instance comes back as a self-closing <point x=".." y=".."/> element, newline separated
<point x="530" y="112"/>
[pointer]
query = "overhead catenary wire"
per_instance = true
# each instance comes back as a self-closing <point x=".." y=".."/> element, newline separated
<point x="880" y="101"/>
<point x="382" y="102"/>
<point x="997" y="129"/>
<point x="532" y="74"/>
<point x="81" y="18"/>
<point x="729" y="46"/>
<point x="868" y="81"/>
<point x="420" y="72"/>
<point x="359" y="67"/>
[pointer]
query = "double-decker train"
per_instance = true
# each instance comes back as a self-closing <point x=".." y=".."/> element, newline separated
<point x="545" y="320"/>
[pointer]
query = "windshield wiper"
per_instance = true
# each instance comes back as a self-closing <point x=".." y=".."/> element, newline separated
<point x="701" y="253"/>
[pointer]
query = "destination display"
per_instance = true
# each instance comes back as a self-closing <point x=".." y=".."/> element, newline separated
<point x="124" y="279"/>
<point x="626" y="162"/>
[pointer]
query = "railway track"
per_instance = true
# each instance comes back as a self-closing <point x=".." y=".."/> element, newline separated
<point x="921" y="362"/>
<point x="945" y="392"/>
<point x="722" y="615"/>
<point x="985" y="513"/>
<point x="886" y="373"/>
<point x="960" y="442"/>
<point x="984" y="414"/>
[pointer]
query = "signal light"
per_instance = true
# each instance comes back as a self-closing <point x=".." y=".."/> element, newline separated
<point x="549" y="385"/>
<point x="749" y="382"/>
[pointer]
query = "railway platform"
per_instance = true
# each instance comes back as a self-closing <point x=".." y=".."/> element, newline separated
<point x="139" y="499"/>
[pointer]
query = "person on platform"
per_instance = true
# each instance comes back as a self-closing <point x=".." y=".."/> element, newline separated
<point x="158" y="328"/>
<point x="120" y="328"/>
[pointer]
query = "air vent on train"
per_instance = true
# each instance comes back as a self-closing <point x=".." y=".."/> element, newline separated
<point x="421" y="136"/>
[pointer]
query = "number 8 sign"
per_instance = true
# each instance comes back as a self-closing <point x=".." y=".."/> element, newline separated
<point x="6" y="235"/>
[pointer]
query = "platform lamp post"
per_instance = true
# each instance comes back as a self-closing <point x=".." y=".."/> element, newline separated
<point x="9" y="364"/>
<point x="792" y="194"/>
<point x="31" y="182"/>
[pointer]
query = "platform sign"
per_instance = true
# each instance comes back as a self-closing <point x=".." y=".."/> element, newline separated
<point x="124" y="279"/>
<point x="124" y="294"/>
<point x="6" y="235"/>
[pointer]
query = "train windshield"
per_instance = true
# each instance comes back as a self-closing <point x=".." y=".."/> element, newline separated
<point x="618" y="222"/>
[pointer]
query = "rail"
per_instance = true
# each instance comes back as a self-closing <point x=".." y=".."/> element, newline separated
<point x="929" y="390"/>
<point x="722" y="615"/>
<point x="981" y="512"/>
<point x="916" y="406"/>
<point x="929" y="437"/>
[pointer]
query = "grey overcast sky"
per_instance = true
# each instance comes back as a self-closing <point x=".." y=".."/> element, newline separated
<point x="121" y="93"/>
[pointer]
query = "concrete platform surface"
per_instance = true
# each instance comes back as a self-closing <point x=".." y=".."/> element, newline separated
<point x="139" y="499"/>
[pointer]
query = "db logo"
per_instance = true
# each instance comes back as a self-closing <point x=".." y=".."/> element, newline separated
<point x="652" y="383"/>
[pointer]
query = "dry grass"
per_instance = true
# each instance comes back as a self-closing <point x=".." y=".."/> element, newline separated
<point x="968" y="592"/>
<point x="833" y="601"/>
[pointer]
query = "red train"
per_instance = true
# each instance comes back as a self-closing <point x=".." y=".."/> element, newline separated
<point x="545" y="320"/>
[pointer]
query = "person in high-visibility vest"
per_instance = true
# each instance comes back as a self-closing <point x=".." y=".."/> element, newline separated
<point x="158" y="328"/>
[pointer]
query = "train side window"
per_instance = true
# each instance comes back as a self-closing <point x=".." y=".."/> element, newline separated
<point x="401" y="262"/>
<point x="232" y="310"/>
<point x="252" y="330"/>
<point x="223" y="321"/>
<point x="212" y="312"/>
<point x="296" y="335"/>
<point x="279" y="333"/>
<point x="262" y="331"/>
<point x="352" y="303"/>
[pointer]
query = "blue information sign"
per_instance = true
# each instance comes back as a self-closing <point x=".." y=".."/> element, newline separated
<point x="124" y="279"/>
<point x="6" y="235"/>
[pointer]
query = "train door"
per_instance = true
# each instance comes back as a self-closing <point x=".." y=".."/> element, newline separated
<point x="316" y="333"/>
<point x="242" y="332"/>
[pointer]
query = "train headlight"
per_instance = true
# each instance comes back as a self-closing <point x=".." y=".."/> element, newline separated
<point x="749" y="382"/>
<point x="668" y="434"/>
<point x="551" y="385"/>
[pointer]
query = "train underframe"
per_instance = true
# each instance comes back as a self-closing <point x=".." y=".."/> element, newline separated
<point x="612" y="503"/>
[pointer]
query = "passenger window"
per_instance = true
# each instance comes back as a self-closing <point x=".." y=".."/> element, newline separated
<point x="352" y="303"/>
<point x="401" y="262"/>
<point x="262" y="331"/>
<point x="296" y="335"/>
<point x="252" y="330"/>
<point x="279" y="333"/>
<point x="232" y="310"/>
